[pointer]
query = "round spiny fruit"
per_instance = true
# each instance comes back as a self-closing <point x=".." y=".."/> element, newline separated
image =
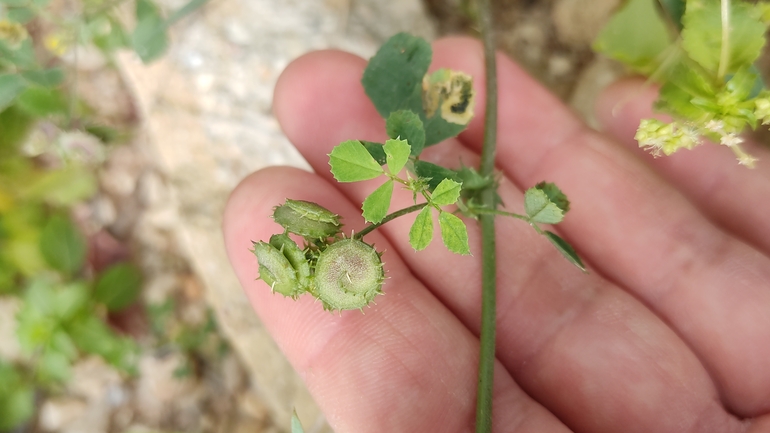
<point x="348" y="275"/>
<point x="276" y="270"/>
<point x="307" y="219"/>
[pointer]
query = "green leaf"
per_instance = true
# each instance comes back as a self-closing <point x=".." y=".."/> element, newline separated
<point x="447" y="192"/>
<point x="434" y="173"/>
<point x="17" y="403"/>
<point x="149" y="38"/>
<point x="185" y="10"/>
<point x="351" y="162"/>
<point x="540" y="209"/>
<point x="11" y="86"/>
<point x="454" y="233"/>
<point x="62" y="245"/>
<point x="674" y="10"/>
<point x="42" y="102"/>
<point x="565" y="249"/>
<point x="554" y="195"/>
<point x="63" y="187"/>
<point x="376" y="205"/>
<point x="45" y="77"/>
<point x="396" y="154"/>
<point x="702" y="37"/>
<point x="53" y="367"/>
<point x="421" y="232"/>
<point x="406" y="124"/>
<point x="118" y="286"/>
<point x="21" y="15"/>
<point x="16" y="125"/>
<point x="296" y="426"/>
<point x="92" y="335"/>
<point x="636" y="36"/>
<point x="393" y="81"/>
<point x="23" y="55"/>
<point x="376" y="151"/>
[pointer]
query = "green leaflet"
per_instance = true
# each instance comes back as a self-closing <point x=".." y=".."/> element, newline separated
<point x="296" y="426"/>
<point x="565" y="249"/>
<point x="118" y="286"/>
<point x="405" y="124"/>
<point x="704" y="41"/>
<point x="554" y="195"/>
<point x="421" y="233"/>
<point x="62" y="245"/>
<point x="447" y="192"/>
<point x="376" y="151"/>
<point x="434" y="173"/>
<point x="396" y="154"/>
<point x="540" y="209"/>
<point x="376" y="206"/>
<point x="636" y="36"/>
<point x="351" y="162"/>
<point x="454" y="233"/>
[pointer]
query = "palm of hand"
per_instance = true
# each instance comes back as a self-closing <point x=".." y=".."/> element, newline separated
<point x="669" y="333"/>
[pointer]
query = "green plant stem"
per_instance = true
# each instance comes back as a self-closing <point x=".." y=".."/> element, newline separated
<point x="724" y="55"/>
<point x="389" y="218"/>
<point x="487" y="222"/>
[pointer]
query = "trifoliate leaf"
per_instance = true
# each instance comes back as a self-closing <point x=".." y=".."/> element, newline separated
<point x="565" y="249"/>
<point x="454" y="233"/>
<point x="396" y="154"/>
<point x="434" y="173"/>
<point x="421" y="232"/>
<point x="351" y="162"/>
<point x="703" y="39"/>
<point x="376" y="206"/>
<point x="540" y="209"/>
<point x="406" y="124"/>
<point x="554" y="195"/>
<point x="447" y="192"/>
<point x="635" y="36"/>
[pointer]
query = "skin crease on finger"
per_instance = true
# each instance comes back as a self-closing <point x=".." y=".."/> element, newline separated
<point x="361" y="121"/>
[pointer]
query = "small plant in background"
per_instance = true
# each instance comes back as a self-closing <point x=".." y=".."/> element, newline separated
<point x="702" y="52"/>
<point x="65" y="301"/>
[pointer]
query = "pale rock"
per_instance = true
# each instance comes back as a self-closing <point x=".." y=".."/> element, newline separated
<point x="600" y="73"/>
<point x="578" y="22"/>
<point x="158" y="393"/>
<point x="56" y="414"/>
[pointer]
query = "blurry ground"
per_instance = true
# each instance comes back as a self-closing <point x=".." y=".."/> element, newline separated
<point x="154" y="205"/>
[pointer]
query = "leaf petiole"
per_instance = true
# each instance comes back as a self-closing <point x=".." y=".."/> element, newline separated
<point x="407" y="210"/>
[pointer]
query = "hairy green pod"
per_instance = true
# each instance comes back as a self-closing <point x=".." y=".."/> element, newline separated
<point x="296" y="257"/>
<point x="307" y="219"/>
<point x="348" y="275"/>
<point x="276" y="270"/>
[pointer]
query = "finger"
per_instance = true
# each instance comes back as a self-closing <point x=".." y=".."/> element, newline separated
<point x="548" y="316"/>
<point x="407" y="365"/>
<point x="637" y="230"/>
<point x="728" y="193"/>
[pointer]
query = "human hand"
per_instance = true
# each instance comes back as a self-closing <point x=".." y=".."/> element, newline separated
<point x="670" y="332"/>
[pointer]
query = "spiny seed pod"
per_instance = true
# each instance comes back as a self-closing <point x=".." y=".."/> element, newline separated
<point x="296" y="257"/>
<point x="276" y="270"/>
<point x="307" y="219"/>
<point x="348" y="275"/>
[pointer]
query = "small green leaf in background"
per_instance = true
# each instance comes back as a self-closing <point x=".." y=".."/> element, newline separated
<point x="149" y="38"/>
<point x="16" y="125"/>
<point x="351" y="162"/>
<point x="405" y="124"/>
<point x="376" y="151"/>
<point x="540" y="209"/>
<point x="45" y="77"/>
<point x="11" y="86"/>
<point x="92" y="335"/>
<point x="62" y="245"/>
<point x="454" y="233"/>
<point x="118" y="286"/>
<point x="63" y="187"/>
<point x="396" y="154"/>
<point x="17" y="398"/>
<point x="296" y="426"/>
<point x="21" y="15"/>
<point x="42" y="102"/>
<point x="702" y="34"/>
<point x="636" y="36"/>
<point x="674" y="10"/>
<point x="421" y="233"/>
<point x="376" y="206"/>
<point x="434" y="173"/>
<point x="53" y="367"/>
<point x="447" y="192"/>
<point x="565" y="249"/>
<point x="554" y="195"/>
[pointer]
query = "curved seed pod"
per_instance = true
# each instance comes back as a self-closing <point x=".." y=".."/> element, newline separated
<point x="276" y="270"/>
<point x="307" y="219"/>
<point x="348" y="275"/>
<point x="296" y="257"/>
